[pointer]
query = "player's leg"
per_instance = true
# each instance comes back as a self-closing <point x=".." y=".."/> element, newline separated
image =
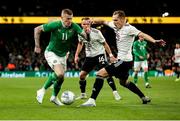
<point x="178" y="72"/>
<point x="58" y="64"/>
<point x="59" y="70"/>
<point x="111" y="83"/>
<point x="51" y="79"/>
<point x="121" y="71"/>
<point x="49" y="56"/>
<point x="132" y="87"/>
<point x="82" y="83"/>
<point x="176" y="69"/>
<point x="135" y="77"/>
<point x="102" y="62"/>
<point x="40" y="93"/>
<point x="88" y="66"/>
<point x="145" y="69"/>
<point x="101" y="74"/>
<point x="137" y="66"/>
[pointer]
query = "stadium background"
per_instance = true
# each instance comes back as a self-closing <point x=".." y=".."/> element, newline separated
<point x="17" y="43"/>
<point x="17" y="95"/>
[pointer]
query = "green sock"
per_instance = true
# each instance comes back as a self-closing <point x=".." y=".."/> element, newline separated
<point x="57" y="86"/>
<point x="146" y="77"/>
<point x="51" y="79"/>
<point x="135" y="78"/>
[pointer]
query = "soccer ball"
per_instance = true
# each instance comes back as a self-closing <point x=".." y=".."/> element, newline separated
<point x="67" y="97"/>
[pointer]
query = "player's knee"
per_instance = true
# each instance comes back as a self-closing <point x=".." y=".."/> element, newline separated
<point x="82" y="76"/>
<point x="99" y="77"/>
<point x="101" y="73"/>
<point x="123" y="82"/>
<point x="135" y="72"/>
<point x="60" y="75"/>
<point x="145" y="69"/>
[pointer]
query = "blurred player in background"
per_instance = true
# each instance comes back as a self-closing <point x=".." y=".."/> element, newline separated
<point x="62" y="36"/>
<point x="176" y="59"/>
<point x="95" y="46"/>
<point x="125" y="35"/>
<point x="140" y="60"/>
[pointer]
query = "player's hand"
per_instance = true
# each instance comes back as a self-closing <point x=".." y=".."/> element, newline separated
<point x="67" y="55"/>
<point x="161" y="42"/>
<point x="37" y="49"/>
<point x="76" y="59"/>
<point x="148" y="55"/>
<point x="113" y="59"/>
<point x="92" y="20"/>
<point x="141" y="57"/>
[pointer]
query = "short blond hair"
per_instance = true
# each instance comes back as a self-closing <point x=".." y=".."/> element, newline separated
<point x="120" y="13"/>
<point x="66" y="11"/>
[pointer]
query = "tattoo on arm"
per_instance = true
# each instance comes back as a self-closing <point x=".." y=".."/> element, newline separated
<point x="37" y="33"/>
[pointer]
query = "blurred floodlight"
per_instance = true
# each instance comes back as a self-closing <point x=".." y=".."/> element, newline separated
<point x="165" y="14"/>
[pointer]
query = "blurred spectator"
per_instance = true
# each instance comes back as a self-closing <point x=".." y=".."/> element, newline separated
<point x="1" y="67"/>
<point x="11" y="67"/>
<point x="159" y="67"/>
<point x="3" y="53"/>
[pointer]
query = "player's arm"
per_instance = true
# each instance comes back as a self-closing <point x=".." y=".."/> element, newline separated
<point x="37" y="33"/>
<point x="78" y="50"/>
<point x="98" y="21"/>
<point x="83" y="35"/>
<point x="108" y="50"/>
<point x="151" y="39"/>
<point x="67" y="55"/>
<point x="148" y="55"/>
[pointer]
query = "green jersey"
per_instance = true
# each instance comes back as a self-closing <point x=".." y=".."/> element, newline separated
<point x="61" y="37"/>
<point x="139" y="49"/>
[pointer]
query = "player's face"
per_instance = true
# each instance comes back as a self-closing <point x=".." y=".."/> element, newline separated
<point x="177" y="46"/>
<point x="118" y="22"/>
<point x="86" y="25"/>
<point x="141" y="38"/>
<point x="67" y="19"/>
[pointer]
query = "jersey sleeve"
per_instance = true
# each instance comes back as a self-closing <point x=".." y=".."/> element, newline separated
<point x="51" y="26"/>
<point x="133" y="31"/>
<point x="77" y="28"/>
<point x="101" y="37"/>
<point x="80" y="38"/>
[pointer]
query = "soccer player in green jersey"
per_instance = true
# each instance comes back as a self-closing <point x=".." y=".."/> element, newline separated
<point x="62" y="35"/>
<point x="140" y="60"/>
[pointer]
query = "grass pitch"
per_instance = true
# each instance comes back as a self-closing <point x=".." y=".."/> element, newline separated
<point x="17" y="101"/>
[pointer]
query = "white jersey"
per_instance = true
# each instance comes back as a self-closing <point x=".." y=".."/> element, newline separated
<point x="124" y="40"/>
<point x="177" y="55"/>
<point x="95" y="46"/>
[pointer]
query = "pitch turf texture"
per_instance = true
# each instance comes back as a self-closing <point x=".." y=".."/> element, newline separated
<point x="17" y="101"/>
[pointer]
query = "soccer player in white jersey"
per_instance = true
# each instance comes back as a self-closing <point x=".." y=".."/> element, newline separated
<point x="176" y="59"/>
<point x="95" y="47"/>
<point x="125" y="34"/>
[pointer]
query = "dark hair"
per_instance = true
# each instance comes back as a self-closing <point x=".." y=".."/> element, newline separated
<point x="67" y="11"/>
<point x="120" y="13"/>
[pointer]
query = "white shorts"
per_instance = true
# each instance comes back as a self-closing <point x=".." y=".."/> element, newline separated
<point x="140" y="64"/>
<point x="54" y="59"/>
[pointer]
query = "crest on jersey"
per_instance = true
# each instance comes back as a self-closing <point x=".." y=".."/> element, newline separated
<point x="54" y="61"/>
